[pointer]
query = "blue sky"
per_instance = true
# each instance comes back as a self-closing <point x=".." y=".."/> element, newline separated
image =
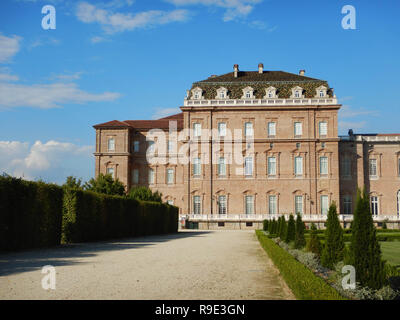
<point x="133" y="59"/>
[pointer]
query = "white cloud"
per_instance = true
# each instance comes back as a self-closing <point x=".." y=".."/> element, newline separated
<point x="346" y="125"/>
<point x="52" y="161"/>
<point x="68" y="76"/>
<point x="117" y="22"/>
<point x="164" y="112"/>
<point x="98" y="39"/>
<point x="9" y="46"/>
<point x="348" y="112"/>
<point x="234" y="9"/>
<point x="8" y="77"/>
<point x="46" y="96"/>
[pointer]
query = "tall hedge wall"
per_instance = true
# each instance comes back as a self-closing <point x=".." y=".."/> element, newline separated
<point x="30" y="214"/>
<point x="36" y="214"/>
<point x="89" y="216"/>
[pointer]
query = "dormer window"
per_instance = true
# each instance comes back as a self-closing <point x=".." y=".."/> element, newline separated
<point x="297" y="92"/>
<point x="197" y="93"/>
<point x="222" y="93"/>
<point x="248" y="93"/>
<point x="270" y="93"/>
<point x="321" y="92"/>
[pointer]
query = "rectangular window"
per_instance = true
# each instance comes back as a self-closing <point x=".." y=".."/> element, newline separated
<point x="324" y="205"/>
<point x="323" y="128"/>
<point x="249" y="204"/>
<point x="374" y="206"/>
<point x="136" y="146"/>
<point x="197" y="129"/>
<point x="170" y="146"/>
<point x="110" y="171"/>
<point x="271" y="166"/>
<point x="271" y="129"/>
<point x="196" y="205"/>
<point x="347" y="205"/>
<point x="196" y="166"/>
<point x="170" y="176"/>
<point x="111" y="144"/>
<point x="151" y="146"/>
<point x="298" y="129"/>
<point x="272" y="205"/>
<point x="248" y="166"/>
<point x="298" y="204"/>
<point x="298" y="166"/>
<point x="221" y="167"/>
<point x="346" y="167"/>
<point x="222" y="129"/>
<point x="151" y="176"/>
<point x="135" y="176"/>
<point x="372" y="167"/>
<point x="222" y="205"/>
<point x="248" y="129"/>
<point x="398" y="166"/>
<point x="323" y="165"/>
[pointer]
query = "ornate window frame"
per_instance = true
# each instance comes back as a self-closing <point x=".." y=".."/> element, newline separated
<point x="300" y="90"/>
<point x="248" y="90"/>
<point x="197" y="94"/>
<point x="270" y="91"/>
<point x="322" y="89"/>
<point x="222" y="90"/>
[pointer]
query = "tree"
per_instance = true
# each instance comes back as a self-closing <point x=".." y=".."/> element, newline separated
<point x="314" y="245"/>
<point x="105" y="184"/>
<point x="144" y="194"/>
<point x="299" y="240"/>
<point x="274" y="228"/>
<point x="334" y="243"/>
<point x="365" y="249"/>
<point x="73" y="183"/>
<point x="291" y="230"/>
<point x="282" y="228"/>
<point x="271" y="226"/>
<point x="265" y="225"/>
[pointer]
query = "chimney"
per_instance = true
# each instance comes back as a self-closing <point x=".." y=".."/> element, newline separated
<point x="260" y="68"/>
<point x="235" y="70"/>
<point x="302" y="72"/>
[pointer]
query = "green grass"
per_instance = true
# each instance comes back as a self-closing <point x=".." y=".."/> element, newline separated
<point x="391" y="252"/>
<point x="304" y="284"/>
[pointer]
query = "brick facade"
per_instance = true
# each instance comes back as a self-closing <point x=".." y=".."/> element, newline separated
<point x="332" y="167"/>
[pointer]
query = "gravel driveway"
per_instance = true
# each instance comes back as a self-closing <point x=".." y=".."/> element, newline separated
<point x="188" y="265"/>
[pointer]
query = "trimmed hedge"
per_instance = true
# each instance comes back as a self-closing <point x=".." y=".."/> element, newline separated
<point x="89" y="216"/>
<point x="37" y="214"/>
<point x="30" y="214"/>
<point x="301" y="280"/>
<point x="380" y="236"/>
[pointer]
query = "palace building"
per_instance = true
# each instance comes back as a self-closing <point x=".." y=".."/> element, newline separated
<point x="253" y="145"/>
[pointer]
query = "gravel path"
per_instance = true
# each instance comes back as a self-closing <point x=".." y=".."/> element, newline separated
<point x="188" y="265"/>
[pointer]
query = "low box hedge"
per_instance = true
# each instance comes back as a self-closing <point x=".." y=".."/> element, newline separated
<point x="302" y="281"/>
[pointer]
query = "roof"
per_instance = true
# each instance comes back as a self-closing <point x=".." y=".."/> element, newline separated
<point x="162" y="123"/>
<point x="255" y="76"/>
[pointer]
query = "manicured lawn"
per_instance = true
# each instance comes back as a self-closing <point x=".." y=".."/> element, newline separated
<point x="391" y="252"/>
